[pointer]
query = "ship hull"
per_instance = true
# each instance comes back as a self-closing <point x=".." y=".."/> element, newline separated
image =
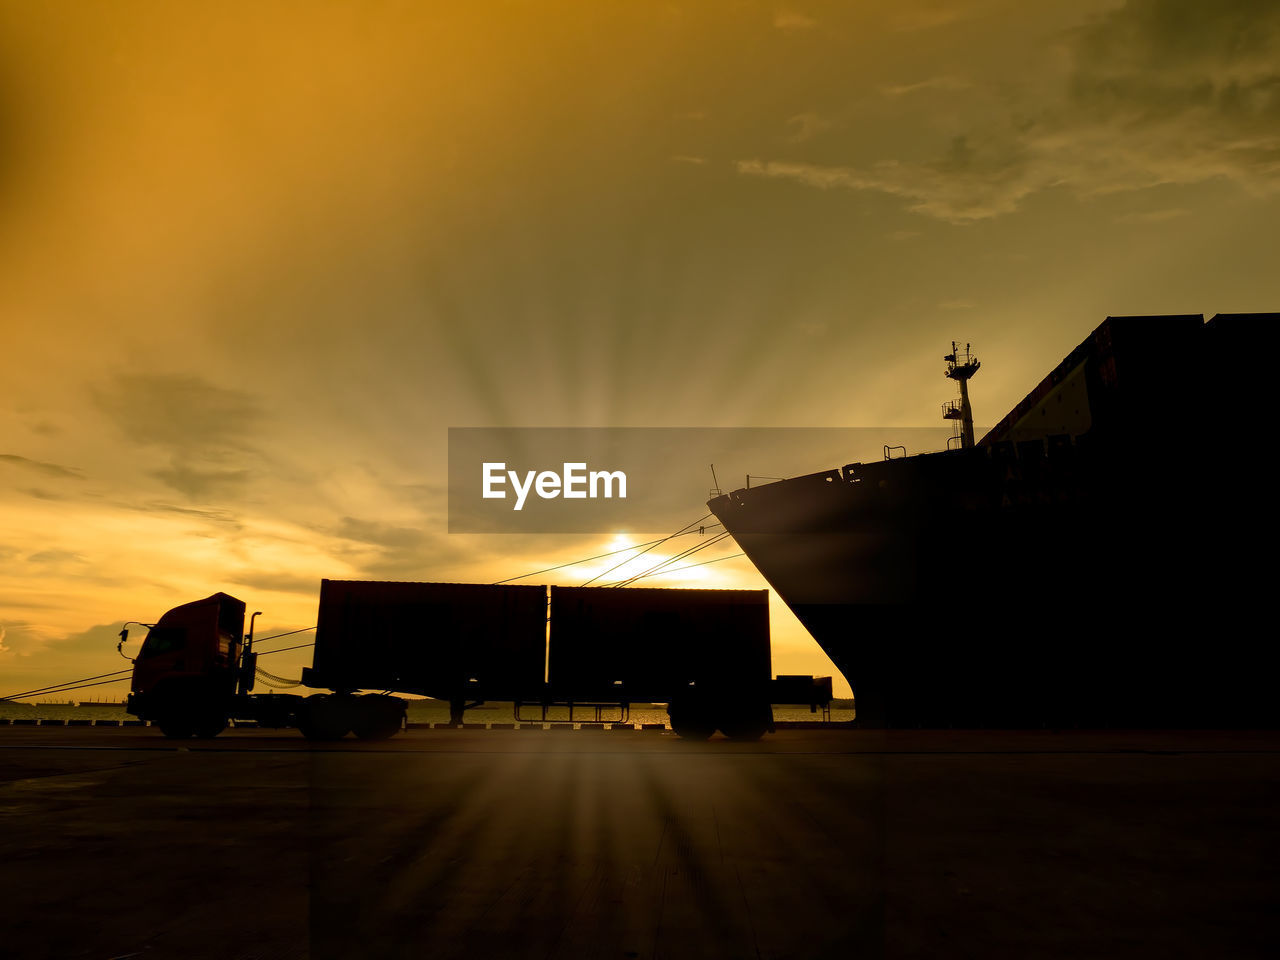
<point x="1063" y="580"/>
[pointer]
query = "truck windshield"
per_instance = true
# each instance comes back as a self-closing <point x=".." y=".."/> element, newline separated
<point x="163" y="640"/>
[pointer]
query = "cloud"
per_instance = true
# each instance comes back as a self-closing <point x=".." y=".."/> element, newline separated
<point x="384" y="551"/>
<point x="918" y="15"/>
<point x="423" y="496"/>
<point x="379" y="534"/>
<point x="31" y="658"/>
<point x="962" y="186"/>
<point x="437" y="558"/>
<point x="925" y="18"/>
<point x="216" y="516"/>
<point x="54" y="557"/>
<point x="933" y="83"/>
<point x="785" y="19"/>
<point x="205" y="429"/>
<point x="686" y="158"/>
<point x="48" y="469"/>
<point x="41" y="494"/>
<point x="1157" y="92"/>
<point x="1153" y="216"/>
<point x="280" y="582"/>
<point x="806" y="126"/>
<point x="179" y="412"/>
<point x="201" y="484"/>
<point x="19" y="639"/>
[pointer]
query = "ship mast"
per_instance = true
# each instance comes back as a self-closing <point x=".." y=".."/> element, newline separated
<point x="961" y="365"/>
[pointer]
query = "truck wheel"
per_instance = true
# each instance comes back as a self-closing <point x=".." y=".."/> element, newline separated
<point x="175" y="729"/>
<point x="690" y="720"/>
<point x="210" y="727"/>
<point x="376" y="717"/>
<point x="324" y="717"/>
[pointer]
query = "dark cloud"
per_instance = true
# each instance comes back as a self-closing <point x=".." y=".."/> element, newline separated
<point x="12" y="634"/>
<point x="216" y="516"/>
<point x="438" y="560"/>
<point x="48" y="469"/>
<point x="202" y="484"/>
<point x="280" y="582"/>
<point x="41" y="494"/>
<point x="1186" y="47"/>
<point x="387" y="552"/>
<point x="1188" y="91"/>
<point x="428" y="497"/>
<point x="207" y="429"/>
<point x="54" y="557"/>
<point x="380" y="534"/>
<point x="180" y="412"/>
<point x="64" y="658"/>
<point x="1157" y="92"/>
<point x="1153" y="216"/>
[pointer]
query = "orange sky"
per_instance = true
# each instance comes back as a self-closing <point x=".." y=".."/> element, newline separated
<point x="256" y="259"/>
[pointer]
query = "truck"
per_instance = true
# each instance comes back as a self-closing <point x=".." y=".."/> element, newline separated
<point x="591" y="650"/>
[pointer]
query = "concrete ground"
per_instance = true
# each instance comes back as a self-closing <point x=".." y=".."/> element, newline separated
<point x="634" y="844"/>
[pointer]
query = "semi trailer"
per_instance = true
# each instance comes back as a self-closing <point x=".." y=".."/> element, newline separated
<point x="590" y="651"/>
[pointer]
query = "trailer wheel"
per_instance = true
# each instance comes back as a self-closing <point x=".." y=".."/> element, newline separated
<point x="324" y="717"/>
<point x="744" y="730"/>
<point x="181" y="725"/>
<point x="745" y="720"/>
<point x="377" y="717"/>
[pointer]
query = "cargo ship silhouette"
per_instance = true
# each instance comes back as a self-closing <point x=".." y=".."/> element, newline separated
<point x="1101" y="558"/>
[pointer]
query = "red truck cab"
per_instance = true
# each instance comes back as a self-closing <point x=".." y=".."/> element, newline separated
<point x="185" y="674"/>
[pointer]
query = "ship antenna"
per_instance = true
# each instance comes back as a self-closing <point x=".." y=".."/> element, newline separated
<point x="715" y="484"/>
<point x="961" y="365"/>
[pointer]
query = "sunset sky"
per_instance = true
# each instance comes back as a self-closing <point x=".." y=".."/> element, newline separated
<point x="257" y="258"/>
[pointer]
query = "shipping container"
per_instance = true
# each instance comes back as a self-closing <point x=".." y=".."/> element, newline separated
<point x="433" y="639"/>
<point x="653" y="643"/>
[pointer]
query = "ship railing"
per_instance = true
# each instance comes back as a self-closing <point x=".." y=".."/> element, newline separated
<point x="890" y="452"/>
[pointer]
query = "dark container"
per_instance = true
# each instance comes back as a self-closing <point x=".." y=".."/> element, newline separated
<point x="647" y="644"/>
<point x="442" y="640"/>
